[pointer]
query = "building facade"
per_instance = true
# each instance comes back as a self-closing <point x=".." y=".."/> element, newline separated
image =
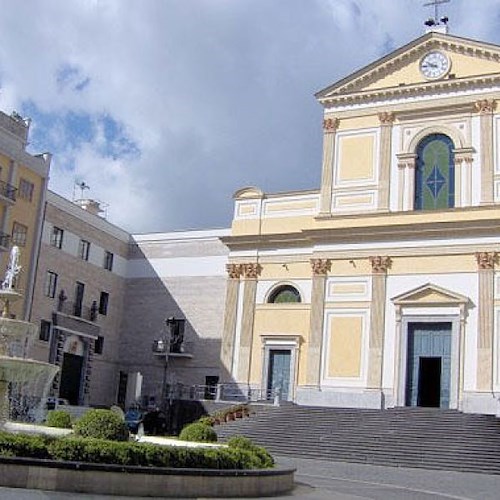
<point x="381" y="288"/>
<point x="78" y="300"/>
<point x="23" y="184"/>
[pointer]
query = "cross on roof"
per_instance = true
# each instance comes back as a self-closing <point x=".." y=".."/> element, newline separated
<point x="436" y="4"/>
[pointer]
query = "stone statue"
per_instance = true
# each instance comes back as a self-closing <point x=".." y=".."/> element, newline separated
<point x="13" y="269"/>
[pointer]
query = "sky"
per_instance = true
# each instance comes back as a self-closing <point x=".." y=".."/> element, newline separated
<point x="165" y="108"/>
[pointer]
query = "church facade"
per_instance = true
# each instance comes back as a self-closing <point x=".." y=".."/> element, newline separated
<point x="382" y="288"/>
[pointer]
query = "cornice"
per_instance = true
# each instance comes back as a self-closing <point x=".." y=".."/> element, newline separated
<point x="415" y="90"/>
<point x="381" y="232"/>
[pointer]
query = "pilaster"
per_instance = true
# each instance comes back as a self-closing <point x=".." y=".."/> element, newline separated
<point x="234" y="272"/>
<point x="406" y="166"/>
<point x="486" y="264"/>
<point x="463" y="177"/>
<point x="380" y="265"/>
<point x="485" y="108"/>
<point x="320" y="268"/>
<point x="251" y="272"/>
<point x="330" y="126"/>
<point x="386" y="122"/>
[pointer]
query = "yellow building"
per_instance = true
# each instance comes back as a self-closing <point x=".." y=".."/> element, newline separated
<point x="381" y="288"/>
<point x="23" y="182"/>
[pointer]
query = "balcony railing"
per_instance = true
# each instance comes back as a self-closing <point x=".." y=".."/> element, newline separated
<point x="77" y="310"/>
<point x="8" y="191"/>
<point x="173" y="349"/>
<point x="4" y="240"/>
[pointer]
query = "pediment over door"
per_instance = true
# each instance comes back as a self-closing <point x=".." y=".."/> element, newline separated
<point x="430" y="294"/>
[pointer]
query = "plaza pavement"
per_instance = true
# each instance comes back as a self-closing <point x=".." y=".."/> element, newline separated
<point x="322" y="480"/>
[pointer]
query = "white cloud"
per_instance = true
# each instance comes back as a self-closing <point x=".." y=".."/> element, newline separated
<point x="214" y="94"/>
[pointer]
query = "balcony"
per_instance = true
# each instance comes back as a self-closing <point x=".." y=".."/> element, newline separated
<point x="4" y="241"/>
<point x="177" y="349"/>
<point x="7" y="193"/>
<point x="78" y="310"/>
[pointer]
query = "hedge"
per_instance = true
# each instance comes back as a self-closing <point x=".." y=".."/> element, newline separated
<point x="78" y="449"/>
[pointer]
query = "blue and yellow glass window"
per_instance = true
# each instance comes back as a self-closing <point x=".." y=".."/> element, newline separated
<point x="435" y="173"/>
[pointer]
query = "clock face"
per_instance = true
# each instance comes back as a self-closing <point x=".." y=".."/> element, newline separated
<point x="434" y="65"/>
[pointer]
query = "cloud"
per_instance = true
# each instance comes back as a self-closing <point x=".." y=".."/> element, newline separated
<point x="165" y="108"/>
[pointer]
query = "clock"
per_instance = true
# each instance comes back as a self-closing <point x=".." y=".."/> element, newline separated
<point x="434" y="65"/>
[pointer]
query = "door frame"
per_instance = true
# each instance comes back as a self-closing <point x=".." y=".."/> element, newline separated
<point x="455" y="363"/>
<point x="281" y="342"/>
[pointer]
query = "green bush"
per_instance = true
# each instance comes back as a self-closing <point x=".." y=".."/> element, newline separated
<point x="198" y="432"/>
<point x="206" y="421"/>
<point x="102" y="424"/>
<point x="78" y="449"/>
<point x="263" y="459"/>
<point x="58" y="418"/>
<point x="24" y="445"/>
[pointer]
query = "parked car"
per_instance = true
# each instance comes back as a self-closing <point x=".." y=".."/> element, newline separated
<point x="134" y="418"/>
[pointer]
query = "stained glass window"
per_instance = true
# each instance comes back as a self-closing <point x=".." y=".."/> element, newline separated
<point x="283" y="294"/>
<point x="435" y="173"/>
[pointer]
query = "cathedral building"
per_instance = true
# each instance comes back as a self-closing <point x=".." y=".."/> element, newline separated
<point x="382" y="287"/>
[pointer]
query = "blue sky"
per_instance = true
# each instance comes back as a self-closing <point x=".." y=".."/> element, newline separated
<point x="166" y="107"/>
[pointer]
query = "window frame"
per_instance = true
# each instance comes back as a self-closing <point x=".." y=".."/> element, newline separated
<point x="25" y="190"/>
<point x="84" y="249"/>
<point x="108" y="260"/>
<point x="45" y="330"/>
<point x="16" y="234"/>
<point x="50" y="286"/>
<point x="276" y="291"/>
<point x="103" y="303"/>
<point x="56" y="237"/>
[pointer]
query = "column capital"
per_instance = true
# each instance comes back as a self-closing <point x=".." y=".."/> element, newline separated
<point x="386" y="117"/>
<point x="380" y="264"/>
<point x="251" y="270"/>
<point x="485" y="106"/>
<point x="234" y="271"/>
<point x="320" y="267"/>
<point x="330" y="125"/>
<point x="486" y="260"/>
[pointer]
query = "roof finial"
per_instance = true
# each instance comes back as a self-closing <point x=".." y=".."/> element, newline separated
<point x="436" y="23"/>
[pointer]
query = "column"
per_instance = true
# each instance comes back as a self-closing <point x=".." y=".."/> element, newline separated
<point x="320" y="268"/>
<point x="330" y="126"/>
<point x="463" y="177"/>
<point x="234" y="272"/>
<point x="377" y="320"/>
<point x="485" y="108"/>
<point x="250" y="273"/>
<point x="486" y="274"/>
<point x="386" y="122"/>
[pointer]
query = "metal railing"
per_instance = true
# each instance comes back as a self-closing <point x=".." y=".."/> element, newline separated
<point x="77" y="310"/>
<point x="8" y="191"/>
<point x="223" y="392"/>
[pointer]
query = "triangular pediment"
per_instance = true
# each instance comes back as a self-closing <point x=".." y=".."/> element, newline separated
<point x="399" y="72"/>
<point x="430" y="294"/>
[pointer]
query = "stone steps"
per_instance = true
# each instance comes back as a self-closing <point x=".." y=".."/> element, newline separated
<point x="409" y="437"/>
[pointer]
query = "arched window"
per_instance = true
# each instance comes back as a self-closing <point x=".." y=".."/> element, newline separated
<point x="435" y="173"/>
<point x="284" y="294"/>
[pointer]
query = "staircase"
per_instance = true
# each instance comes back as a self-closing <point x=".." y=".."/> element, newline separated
<point x="404" y="437"/>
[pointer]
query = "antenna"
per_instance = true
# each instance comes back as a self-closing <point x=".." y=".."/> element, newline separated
<point x="436" y="20"/>
<point x="83" y="186"/>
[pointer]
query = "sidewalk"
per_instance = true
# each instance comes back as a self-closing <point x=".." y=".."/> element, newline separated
<point x="321" y="480"/>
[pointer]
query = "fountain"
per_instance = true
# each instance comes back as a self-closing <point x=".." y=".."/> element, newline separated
<point x="24" y="382"/>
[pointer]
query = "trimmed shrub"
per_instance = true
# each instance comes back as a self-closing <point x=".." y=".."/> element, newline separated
<point x="58" y="418"/>
<point x="263" y="459"/>
<point x="198" y="432"/>
<point x="206" y="421"/>
<point x="102" y="424"/>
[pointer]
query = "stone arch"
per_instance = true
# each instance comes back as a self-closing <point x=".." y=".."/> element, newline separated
<point x="455" y="135"/>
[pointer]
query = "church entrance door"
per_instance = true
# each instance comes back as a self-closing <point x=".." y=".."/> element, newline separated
<point x="71" y="375"/>
<point x="428" y="364"/>
<point x="279" y="373"/>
